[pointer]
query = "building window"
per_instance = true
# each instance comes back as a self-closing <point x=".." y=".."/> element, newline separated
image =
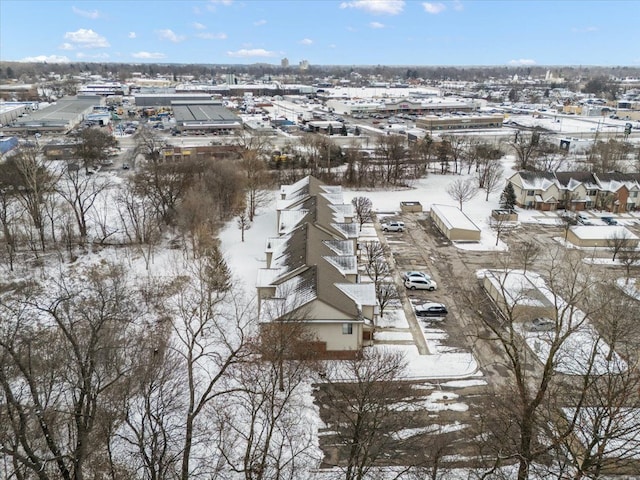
<point x="592" y="193"/>
<point x="531" y="193"/>
<point x="347" y="328"/>
<point x="633" y="194"/>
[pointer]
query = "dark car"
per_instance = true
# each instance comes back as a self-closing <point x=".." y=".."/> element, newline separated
<point x="609" y="220"/>
<point x="431" y="310"/>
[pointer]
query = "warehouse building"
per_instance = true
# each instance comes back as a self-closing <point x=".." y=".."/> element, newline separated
<point x="208" y="116"/>
<point x="143" y="100"/>
<point x="61" y="117"/>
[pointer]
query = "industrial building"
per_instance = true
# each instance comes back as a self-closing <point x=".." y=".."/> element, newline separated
<point x="11" y="111"/>
<point x="61" y="116"/>
<point x="209" y="116"/>
<point x="405" y="106"/>
<point x="164" y="99"/>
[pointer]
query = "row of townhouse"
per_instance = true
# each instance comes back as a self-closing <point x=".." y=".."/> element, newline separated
<point x="311" y="273"/>
<point x="614" y="191"/>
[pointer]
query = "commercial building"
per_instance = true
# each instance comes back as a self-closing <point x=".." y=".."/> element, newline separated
<point x="209" y="116"/>
<point x="459" y="122"/>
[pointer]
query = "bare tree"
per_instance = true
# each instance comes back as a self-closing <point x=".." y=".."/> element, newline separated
<point x="67" y="355"/>
<point x="263" y="432"/>
<point x="360" y="399"/>
<point x="139" y="222"/>
<point x="30" y="180"/>
<point x="385" y="293"/>
<point x="92" y="146"/>
<point x="629" y="257"/>
<point x="491" y="174"/>
<point x="80" y="191"/>
<point x="244" y="223"/>
<point x="392" y="153"/>
<point x="526" y="252"/>
<point x="363" y="209"/>
<point x="462" y="190"/>
<point x="526" y="408"/>
<point x="210" y="340"/>
<point x="620" y="240"/>
<point x="526" y="148"/>
<point x="258" y="181"/>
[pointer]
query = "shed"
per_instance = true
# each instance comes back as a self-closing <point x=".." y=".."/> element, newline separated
<point x="517" y="297"/>
<point x="454" y="224"/>
<point x="410" y="207"/>
<point x="588" y="236"/>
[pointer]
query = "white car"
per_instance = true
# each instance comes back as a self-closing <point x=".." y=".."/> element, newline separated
<point x="415" y="274"/>
<point x="392" y="226"/>
<point x="420" y="284"/>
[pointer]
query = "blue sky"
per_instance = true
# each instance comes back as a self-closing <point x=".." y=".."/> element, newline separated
<point x="343" y="32"/>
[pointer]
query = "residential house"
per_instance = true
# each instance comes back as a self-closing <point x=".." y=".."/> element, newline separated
<point x="579" y="190"/>
<point x="538" y="190"/>
<point x="576" y="191"/>
<point x="311" y="273"/>
<point x="619" y="192"/>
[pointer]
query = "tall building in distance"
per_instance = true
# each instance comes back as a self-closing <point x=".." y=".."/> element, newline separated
<point x="304" y="64"/>
<point x="284" y="63"/>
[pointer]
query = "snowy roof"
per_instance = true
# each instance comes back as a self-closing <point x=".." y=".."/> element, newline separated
<point x="360" y="293"/>
<point x="346" y="264"/>
<point x="349" y="230"/>
<point x="537" y="180"/>
<point x="517" y="288"/>
<point x="273" y="243"/>
<point x="290" y="219"/>
<point x="266" y="276"/>
<point x="290" y="295"/>
<point x="341" y="247"/>
<point x="453" y="217"/>
<point x="602" y="232"/>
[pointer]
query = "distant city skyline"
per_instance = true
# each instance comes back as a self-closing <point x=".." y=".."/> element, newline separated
<point x="323" y="32"/>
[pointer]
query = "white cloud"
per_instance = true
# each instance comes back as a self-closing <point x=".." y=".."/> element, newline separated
<point x="522" y="61"/>
<point x="92" y="14"/>
<point x="584" y="29"/>
<point x="132" y="35"/>
<point x="148" y="55"/>
<point x="253" y="52"/>
<point x="83" y="38"/>
<point x="306" y="41"/>
<point x="212" y="36"/>
<point x="376" y="25"/>
<point x="97" y="56"/>
<point x="211" y="6"/>
<point x="434" y="8"/>
<point x="199" y="26"/>
<point x="457" y="5"/>
<point x="376" y="7"/>
<point x="168" y="34"/>
<point x="67" y="46"/>
<point x="333" y="45"/>
<point x="259" y="23"/>
<point x="46" y="59"/>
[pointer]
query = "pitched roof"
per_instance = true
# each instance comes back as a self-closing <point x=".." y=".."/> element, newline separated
<point x="537" y="180"/>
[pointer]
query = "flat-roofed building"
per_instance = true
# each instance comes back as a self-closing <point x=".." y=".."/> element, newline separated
<point x="205" y="115"/>
<point x="459" y="122"/>
<point x="454" y="224"/>
<point x="62" y="116"/>
<point x="592" y="236"/>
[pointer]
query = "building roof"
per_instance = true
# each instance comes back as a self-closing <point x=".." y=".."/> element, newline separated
<point x="453" y="217"/>
<point x="203" y="113"/>
<point x="602" y="232"/>
<point x="537" y="180"/>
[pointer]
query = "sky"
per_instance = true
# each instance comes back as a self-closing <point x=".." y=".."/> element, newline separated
<point x="323" y="32"/>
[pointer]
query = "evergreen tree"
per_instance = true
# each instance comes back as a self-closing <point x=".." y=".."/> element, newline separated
<point x="508" y="197"/>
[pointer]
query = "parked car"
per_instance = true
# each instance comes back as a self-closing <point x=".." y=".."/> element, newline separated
<point x="583" y="219"/>
<point x="393" y="226"/>
<point x="540" y="324"/>
<point x="431" y="310"/>
<point x="125" y="166"/>
<point x="609" y="220"/>
<point x="413" y="274"/>
<point x="420" y="284"/>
